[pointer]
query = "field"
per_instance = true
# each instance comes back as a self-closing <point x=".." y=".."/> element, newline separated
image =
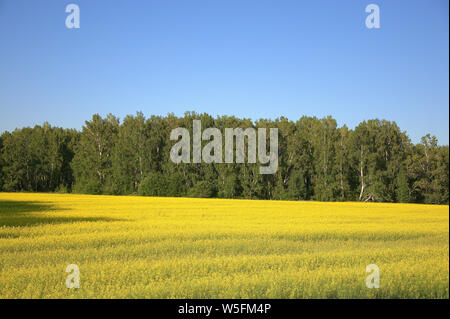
<point x="141" y="247"/>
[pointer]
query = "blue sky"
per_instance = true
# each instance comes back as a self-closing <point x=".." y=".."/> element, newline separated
<point x="253" y="59"/>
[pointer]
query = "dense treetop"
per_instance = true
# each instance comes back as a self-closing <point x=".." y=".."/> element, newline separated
<point x="317" y="161"/>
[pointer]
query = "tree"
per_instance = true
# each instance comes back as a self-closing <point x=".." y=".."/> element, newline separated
<point x="131" y="154"/>
<point x="36" y="159"/>
<point x="428" y="166"/>
<point x="379" y="148"/>
<point x="1" y="164"/>
<point x="157" y="184"/>
<point x="343" y="167"/>
<point x="323" y="138"/>
<point x="403" y="193"/>
<point x="92" y="163"/>
<point x="317" y="160"/>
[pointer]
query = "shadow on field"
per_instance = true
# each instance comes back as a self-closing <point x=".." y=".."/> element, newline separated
<point x="30" y="213"/>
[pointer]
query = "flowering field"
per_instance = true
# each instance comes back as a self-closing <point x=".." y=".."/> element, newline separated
<point x="142" y="247"/>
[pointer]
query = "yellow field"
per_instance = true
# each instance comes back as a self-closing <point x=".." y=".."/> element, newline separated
<point x="138" y="247"/>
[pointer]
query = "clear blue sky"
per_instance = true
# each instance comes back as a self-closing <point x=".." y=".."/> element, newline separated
<point x="246" y="58"/>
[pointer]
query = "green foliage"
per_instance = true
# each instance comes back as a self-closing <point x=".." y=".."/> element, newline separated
<point x="62" y="189"/>
<point x="153" y="185"/>
<point x="1" y="164"/>
<point x="36" y="159"/>
<point x="403" y="189"/>
<point x="92" y="163"/>
<point x="203" y="189"/>
<point x="158" y="184"/>
<point x="317" y="161"/>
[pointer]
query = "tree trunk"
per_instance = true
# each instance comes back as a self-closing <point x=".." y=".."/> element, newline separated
<point x="362" y="175"/>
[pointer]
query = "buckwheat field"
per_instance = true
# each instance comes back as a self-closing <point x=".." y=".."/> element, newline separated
<point x="143" y="247"/>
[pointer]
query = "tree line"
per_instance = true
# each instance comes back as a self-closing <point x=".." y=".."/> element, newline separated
<point x="318" y="160"/>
